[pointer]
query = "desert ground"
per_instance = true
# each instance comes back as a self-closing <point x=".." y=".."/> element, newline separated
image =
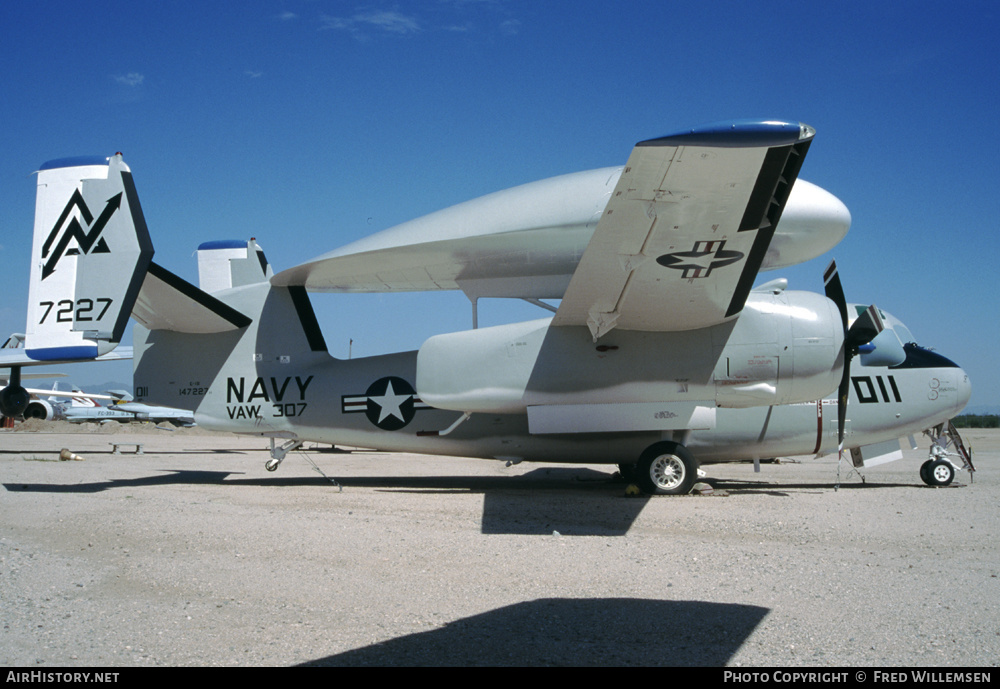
<point x="191" y="554"/>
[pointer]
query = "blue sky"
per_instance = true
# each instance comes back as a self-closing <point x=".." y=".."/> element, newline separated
<point x="311" y="123"/>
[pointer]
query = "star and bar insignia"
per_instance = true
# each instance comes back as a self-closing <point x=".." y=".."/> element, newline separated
<point x="389" y="403"/>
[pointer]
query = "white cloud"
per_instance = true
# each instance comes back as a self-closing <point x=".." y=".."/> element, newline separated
<point x="130" y="79"/>
<point x="382" y="20"/>
<point x="510" y="27"/>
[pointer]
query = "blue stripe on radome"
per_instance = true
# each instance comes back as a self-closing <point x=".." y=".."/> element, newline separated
<point x="222" y="244"/>
<point x="62" y="353"/>
<point x="736" y="133"/>
<point x="76" y="161"/>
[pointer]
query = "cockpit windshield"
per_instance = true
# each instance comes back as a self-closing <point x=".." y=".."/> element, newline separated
<point x="918" y="357"/>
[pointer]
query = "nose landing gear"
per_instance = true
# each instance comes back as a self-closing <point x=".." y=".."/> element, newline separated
<point x="946" y="443"/>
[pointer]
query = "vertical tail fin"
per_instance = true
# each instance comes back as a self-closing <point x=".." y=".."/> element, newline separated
<point x="226" y="264"/>
<point x="90" y="254"/>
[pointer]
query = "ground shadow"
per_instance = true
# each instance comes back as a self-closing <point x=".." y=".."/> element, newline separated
<point x="616" y="632"/>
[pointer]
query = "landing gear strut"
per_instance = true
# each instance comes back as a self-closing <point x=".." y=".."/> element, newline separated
<point x="278" y="453"/>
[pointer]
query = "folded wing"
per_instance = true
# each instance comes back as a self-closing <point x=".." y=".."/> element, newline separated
<point x="686" y="229"/>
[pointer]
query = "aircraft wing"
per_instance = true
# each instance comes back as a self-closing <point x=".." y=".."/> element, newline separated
<point x="686" y="229"/>
<point x="38" y="392"/>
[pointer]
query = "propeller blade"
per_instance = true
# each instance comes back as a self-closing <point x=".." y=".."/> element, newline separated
<point x="865" y="328"/>
<point x="835" y="293"/>
<point x="867" y="335"/>
<point x="845" y="387"/>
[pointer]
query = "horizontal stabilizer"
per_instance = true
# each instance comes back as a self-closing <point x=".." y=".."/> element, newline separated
<point x="168" y="302"/>
<point x="18" y="358"/>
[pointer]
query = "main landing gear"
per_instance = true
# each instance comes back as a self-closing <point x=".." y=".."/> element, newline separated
<point x="666" y="468"/>
<point x="940" y="468"/>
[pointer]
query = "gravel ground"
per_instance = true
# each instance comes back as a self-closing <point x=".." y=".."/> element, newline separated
<point x="193" y="554"/>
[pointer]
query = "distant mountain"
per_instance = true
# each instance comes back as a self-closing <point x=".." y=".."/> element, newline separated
<point x="93" y="388"/>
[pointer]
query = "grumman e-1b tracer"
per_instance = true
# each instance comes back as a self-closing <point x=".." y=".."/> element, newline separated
<point x="661" y="354"/>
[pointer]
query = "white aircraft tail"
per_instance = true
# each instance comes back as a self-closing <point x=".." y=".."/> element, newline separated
<point x="90" y="254"/>
<point x="226" y="264"/>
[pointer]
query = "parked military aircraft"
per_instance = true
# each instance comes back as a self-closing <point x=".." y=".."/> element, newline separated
<point x="42" y="403"/>
<point x="123" y="409"/>
<point x="660" y="356"/>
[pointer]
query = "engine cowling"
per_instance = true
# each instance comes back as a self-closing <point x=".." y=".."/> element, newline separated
<point x="784" y="348"/>
<point x="14" y="400"/>
<point x="39" y="409"/>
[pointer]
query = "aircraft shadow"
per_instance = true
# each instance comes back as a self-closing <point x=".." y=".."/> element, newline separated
<point x="164" y="478"/>
<point x="55" y="455"/>
<point x="742" y="487"/>
<point x="616" y="632"/>
<point x="573" y="501"/>
<point x="589" y="502"/>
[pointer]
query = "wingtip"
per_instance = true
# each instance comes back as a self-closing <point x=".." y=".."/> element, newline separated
<point x="738" y="133"/>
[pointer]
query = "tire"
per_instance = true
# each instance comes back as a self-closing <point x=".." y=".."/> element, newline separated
<point x="924" y="469"/>
<point x="940" y="473"/>
<point x="666" y="468"/>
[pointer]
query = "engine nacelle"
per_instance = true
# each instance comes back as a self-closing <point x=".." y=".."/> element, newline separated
<point x="39" y="409"/>
<point x="13" y="401"/>
<point x="785" y="347"/>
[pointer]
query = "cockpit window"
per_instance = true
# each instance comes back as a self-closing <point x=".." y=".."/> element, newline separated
<point x="903" y="333"/>
<point x="918" y="357"/>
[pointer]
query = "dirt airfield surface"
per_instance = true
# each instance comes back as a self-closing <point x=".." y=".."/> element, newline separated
<point x="193" y="554"/>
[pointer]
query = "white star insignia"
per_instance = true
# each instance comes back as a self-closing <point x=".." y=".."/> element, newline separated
<point x="390" y="403"/>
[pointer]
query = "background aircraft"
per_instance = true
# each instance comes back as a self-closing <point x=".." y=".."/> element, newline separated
<point x="660" y="355"/>
<point x="124" y="410"/>
<point x="40" y="403"/>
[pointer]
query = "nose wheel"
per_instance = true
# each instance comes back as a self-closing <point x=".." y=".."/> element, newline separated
<point x="937" y="472"/>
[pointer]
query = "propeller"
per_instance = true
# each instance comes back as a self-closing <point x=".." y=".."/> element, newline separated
<point x="867" y="336"/>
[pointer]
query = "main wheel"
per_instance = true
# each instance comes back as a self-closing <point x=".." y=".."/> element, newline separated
<point x="940" y="473"/>
<point x="666" y="468"/>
